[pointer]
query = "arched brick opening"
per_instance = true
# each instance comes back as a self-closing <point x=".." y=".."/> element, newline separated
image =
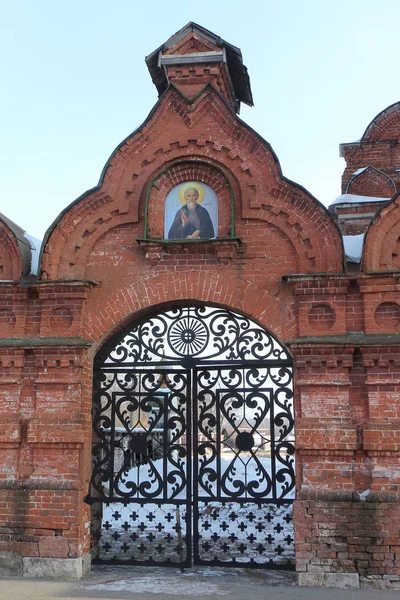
<point x="274" y="313"/>
<point x="193" y="416"/>
<point x="178" y="172"/>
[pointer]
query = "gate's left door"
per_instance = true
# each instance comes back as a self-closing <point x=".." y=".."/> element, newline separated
<point x="141" y="478"/>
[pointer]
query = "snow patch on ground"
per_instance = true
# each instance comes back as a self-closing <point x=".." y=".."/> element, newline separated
<point x="156" y="585"/>
<point x="229" y="529"/>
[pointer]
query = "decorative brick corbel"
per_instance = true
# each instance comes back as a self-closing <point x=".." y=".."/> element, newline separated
<point x="153" y="251"/>
<point x="225" y="249"/>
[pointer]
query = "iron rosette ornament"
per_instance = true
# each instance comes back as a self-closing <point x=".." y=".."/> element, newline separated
<point x="200" y="333"/>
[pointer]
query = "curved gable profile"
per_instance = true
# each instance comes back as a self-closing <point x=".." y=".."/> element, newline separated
<point x="17" y="256"/>
<point x="382" y="241"/>
<point x="194" y="126"/>
<point x="203" y="131"/>
<point x="370" y="181"/>
<point x="385" y="126"/>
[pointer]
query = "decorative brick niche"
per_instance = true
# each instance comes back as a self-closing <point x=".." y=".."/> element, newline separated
<point x="179" y="173"/>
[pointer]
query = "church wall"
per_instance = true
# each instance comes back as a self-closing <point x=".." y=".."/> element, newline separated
<point x="346" y="405"/>
<point x="379" y="148"/>
<point x="45" y="431"/>
<point x="105" y="262"/>
<point x="347" y="512"/>
<point x="382" y="155"/>
<point x="11" y="266"/>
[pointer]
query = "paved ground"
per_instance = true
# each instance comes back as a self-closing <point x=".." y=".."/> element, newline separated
<point x="169" y="584"/>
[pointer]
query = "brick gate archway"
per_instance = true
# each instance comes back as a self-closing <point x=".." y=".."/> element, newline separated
<point x="277" y="257"/>
<point x="193" y="455"/>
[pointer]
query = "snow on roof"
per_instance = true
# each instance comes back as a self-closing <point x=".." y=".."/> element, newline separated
<point x="360" y="170"/>
<point x="353" y="247"/>
<point x="353" y="198"/>
<point x="28" y="245"/>
<point x="35" y="252"/>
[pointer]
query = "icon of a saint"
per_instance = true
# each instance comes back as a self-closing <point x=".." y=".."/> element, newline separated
<point x="192" y="221"/>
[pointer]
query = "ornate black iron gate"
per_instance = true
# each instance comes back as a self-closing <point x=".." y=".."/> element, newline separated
<point x="193" y="456"/>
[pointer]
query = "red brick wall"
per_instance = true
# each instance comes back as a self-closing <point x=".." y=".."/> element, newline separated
<point x="356" y="217"/>
<point x="285" y="270"/>
<point x="378" y="148"/>
<point x="10" y="256"/>
<point x="371" y="182"/>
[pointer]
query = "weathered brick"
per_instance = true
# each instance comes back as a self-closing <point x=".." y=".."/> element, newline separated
<point x="286" y="272"/>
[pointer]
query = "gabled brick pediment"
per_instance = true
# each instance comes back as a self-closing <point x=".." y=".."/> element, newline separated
<point x="202" y="131"/>
<point x="369" y="181"/>
<point x="192" y="43"/>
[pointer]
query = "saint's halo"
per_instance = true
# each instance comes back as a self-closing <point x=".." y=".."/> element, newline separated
<point x="191" y="184"/>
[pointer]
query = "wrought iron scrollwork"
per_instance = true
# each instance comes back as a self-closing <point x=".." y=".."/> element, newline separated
<point x="197" y="332"/>
<point x="193" y="443"/>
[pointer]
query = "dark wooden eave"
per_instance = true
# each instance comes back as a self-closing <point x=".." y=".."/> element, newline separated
<point x="237" y="71"/>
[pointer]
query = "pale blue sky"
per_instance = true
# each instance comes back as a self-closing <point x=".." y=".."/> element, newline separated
<point x="74" y="84"/>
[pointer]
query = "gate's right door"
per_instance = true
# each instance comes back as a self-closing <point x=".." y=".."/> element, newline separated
<point x="243" y="467"/>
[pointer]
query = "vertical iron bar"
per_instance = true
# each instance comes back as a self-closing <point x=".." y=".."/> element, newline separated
<point x="191" y="421"/>
<point x="166" y="444"/>
<point x="112" y="447"/>
<point x="189" y="477"/>
<point x="273" y="464"/>
<point x="218" y="440"/>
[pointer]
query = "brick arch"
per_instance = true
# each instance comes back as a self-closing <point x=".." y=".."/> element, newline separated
<point x="385" y="126"/>
<point x="164" y="290"/>
<point x="382" y="242"/>
<point x="371" y="182"/>
<point x="11" y="261"/>
<point x="246" y="159"/>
